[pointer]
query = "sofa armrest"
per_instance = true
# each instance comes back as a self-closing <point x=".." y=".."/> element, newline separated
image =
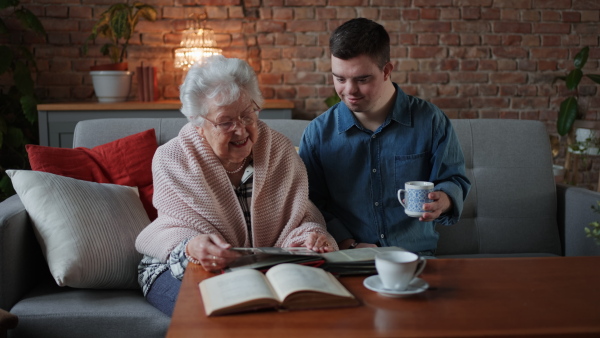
<point x="574" y="214"/>
<point x="21" y="261"/>
<point x="7" y="321"/>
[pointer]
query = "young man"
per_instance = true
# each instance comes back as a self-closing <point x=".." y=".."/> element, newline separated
<point x="362" y="150"/>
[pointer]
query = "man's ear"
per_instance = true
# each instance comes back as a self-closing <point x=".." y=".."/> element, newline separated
<point x="387" y="71"/>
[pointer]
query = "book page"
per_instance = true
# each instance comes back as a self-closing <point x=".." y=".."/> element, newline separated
<point x="356" y="255"/>
<point x="279" y="251"/>
<point x="233" y="288"/>
<point x="289" y="278"/>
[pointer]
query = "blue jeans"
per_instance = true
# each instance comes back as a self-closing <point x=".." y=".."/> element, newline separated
<point x="163" y="292"/>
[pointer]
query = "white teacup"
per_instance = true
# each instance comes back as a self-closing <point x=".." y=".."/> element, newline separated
<point x="416" y="193"/>
<point x="397" y="268"/>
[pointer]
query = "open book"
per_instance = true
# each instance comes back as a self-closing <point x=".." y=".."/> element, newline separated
<point x="285" y="286"/>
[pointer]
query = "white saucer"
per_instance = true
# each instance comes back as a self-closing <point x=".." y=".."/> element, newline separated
<point x="417" y="285"/>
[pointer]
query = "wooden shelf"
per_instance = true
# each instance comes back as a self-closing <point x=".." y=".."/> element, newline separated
<point x="138" y="105"/>
<point x="57" y="120"/>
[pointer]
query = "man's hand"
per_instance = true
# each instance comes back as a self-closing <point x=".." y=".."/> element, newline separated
<point x="441" y="204"/>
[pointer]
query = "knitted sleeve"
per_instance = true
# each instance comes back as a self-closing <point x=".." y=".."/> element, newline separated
<point x="193" y="195"/>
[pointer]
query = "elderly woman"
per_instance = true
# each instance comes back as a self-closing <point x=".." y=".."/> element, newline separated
<point x="226" y="180"/>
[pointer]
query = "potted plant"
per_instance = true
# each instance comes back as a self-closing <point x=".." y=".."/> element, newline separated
<point x="18" y="104"/>
<point x="569" y="108"/>
<point x="117" y="24"/>
<point x="593" y="229"/>
<point x="581" y="142"/>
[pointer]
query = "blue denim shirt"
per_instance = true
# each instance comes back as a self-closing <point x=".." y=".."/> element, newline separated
<point x="354" y="174"/>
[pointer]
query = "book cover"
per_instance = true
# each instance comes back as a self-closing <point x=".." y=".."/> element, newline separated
<point x="155" y="93"/>
<point x="148" y="84"/>
<point x="139" y="74"/>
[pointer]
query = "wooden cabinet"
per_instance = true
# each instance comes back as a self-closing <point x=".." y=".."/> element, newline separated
<point x="57" y="120"/>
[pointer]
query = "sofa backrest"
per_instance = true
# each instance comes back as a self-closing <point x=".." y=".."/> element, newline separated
<point x="511" y="207"/>
<point x="92" y="133"/>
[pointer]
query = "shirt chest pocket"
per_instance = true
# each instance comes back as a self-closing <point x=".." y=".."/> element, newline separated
<point x="413" y="167"/>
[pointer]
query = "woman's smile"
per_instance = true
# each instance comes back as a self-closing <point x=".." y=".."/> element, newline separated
<point x="240" y="143"/>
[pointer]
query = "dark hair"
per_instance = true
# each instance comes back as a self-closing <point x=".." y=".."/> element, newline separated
<point x="361" y="37"/>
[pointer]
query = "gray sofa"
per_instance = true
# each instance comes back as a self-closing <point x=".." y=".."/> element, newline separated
<point x="513" y="210"/>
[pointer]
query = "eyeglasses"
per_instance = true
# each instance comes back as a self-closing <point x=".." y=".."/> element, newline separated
<point x="246" y="120"/>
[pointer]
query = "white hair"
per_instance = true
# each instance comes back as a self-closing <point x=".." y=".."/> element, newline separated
<point x="219" y="80"/>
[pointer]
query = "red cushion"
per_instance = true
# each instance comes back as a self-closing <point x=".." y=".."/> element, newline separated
<point x="127" y="161"/>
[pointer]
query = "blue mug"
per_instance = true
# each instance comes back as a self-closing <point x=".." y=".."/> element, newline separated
<point x="416" y="193"/>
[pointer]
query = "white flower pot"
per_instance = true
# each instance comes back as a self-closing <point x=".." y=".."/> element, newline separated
<point x="111" y="85"/>
<point x="558" y="170"/>
<point x="588" y="138"/>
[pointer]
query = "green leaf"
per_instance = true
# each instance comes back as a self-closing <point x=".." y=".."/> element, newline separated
<point x="30" y="21"/>
<point x="14" y="137"/>
<point x="120" y="25"/>
<point x="581" y="57"/>
<point x="146" y="11"/>
<point x="594" y="77"/>
<point x="88" y="40"/>
<point x="23" y="79"/>
<point x="27" y="56"/>
<point x="29" y="106"/>
<point x="6" y="185"/>
<point x="6" y="58"/>
<point x="567" y="115"/>
<point x="332" y="100"/>
<point x="574" y="78"/>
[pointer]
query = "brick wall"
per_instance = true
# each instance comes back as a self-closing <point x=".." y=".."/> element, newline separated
<point x="472" y="58"/>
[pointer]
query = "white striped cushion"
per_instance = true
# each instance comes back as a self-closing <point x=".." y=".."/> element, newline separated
<point x="87" y="230"/>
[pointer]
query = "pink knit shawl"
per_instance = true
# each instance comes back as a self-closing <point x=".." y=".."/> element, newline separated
<point x="193" y="196"/>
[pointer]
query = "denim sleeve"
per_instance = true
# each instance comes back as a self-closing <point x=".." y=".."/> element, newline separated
<point x="318" y="191"/>
<point x="448" y="169"/>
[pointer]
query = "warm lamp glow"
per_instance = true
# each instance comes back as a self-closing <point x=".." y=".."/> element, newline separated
<point x="198" y="43"/>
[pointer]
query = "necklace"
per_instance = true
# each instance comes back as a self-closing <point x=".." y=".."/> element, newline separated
<point x="238" y="169"/>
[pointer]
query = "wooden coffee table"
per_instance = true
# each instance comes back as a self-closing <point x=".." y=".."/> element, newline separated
<point x="546" y="297"/>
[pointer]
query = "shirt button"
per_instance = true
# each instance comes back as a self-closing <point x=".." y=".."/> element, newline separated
<point x="374" y="170"/>
<point x="382" y="236"/>
<point x="373" y="136"/>
<point x="376" y="203"/>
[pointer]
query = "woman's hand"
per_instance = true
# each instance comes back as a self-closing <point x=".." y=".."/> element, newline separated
<point x="318" y="242"/>
<point x="212" y="251"/>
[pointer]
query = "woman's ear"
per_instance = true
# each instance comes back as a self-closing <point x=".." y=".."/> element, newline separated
<point x="200" y="131"/>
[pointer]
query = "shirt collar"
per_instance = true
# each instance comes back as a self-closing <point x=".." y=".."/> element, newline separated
<point x="401" y="113"/>
<point x="249" y="172"/>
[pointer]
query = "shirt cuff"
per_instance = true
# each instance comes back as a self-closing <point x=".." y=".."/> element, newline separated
<point x="455" y="194"/>
<point x="178" y="260"/>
